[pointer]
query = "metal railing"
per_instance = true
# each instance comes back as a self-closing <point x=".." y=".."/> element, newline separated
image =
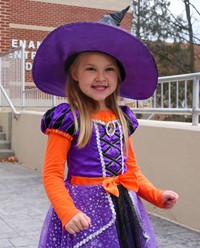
<point x="12" y="74"/>
<point x="177" y="94"/>
<point x="16" y="113"/>
<point x="34" y="98"/>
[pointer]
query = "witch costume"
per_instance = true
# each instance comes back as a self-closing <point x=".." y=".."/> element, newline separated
<point x="102" y="181"/>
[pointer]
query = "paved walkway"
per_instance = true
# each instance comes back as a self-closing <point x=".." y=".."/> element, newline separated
<point x="23" y="205"/>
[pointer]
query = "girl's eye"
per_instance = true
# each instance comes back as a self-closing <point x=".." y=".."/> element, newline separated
<point x="110" y="69"/>
<point x="90" y="69"/>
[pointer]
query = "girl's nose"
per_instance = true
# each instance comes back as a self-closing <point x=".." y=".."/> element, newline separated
<point x="100" y="77"/>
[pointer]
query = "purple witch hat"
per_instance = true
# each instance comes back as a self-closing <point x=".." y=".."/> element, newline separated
<point x="137" y="64"/>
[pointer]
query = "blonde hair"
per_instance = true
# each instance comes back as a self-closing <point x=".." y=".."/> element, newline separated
<point x="86" y="106"/>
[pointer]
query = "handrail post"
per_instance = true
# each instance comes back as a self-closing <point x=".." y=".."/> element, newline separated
<point x="0" y="83"/>
<point x="23" y="75"/>
<point x="195" y="101"/>
<point x="54" y="102"/>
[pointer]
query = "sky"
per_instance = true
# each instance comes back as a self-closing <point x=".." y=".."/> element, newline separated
<point x="177" y="7"/>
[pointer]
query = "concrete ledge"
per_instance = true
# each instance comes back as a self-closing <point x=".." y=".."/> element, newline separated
<point x="170" y="125"/>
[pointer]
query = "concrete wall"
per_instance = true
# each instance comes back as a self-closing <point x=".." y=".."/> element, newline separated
<point x="28" y="141"/>
<point x="167" y="152"/>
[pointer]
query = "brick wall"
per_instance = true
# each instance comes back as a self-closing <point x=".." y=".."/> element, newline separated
<point x="15" y="14"/>
<point x="53" y="15"/>
<point x="197" y="57"/>
<point x="4" y="25"/>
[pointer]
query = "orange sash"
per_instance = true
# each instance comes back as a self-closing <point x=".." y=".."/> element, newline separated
<point x="128" y="180"/>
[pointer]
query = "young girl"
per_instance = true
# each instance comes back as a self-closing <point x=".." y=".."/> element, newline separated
<point x="98" y="204"/>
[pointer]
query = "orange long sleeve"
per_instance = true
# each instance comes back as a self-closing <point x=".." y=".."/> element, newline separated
<point x="146" y="189"/>
<point x="53" y="177"/>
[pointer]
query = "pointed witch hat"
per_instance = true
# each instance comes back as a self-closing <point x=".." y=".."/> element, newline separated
<point x="58" y="49"/>
<point x="115" y="18"/>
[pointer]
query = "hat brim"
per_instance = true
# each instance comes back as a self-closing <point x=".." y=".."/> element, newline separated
<point x="49" y="72"/>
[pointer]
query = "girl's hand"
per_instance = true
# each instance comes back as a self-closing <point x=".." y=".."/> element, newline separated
<point x="169" y="198"/>
<point x="79" y="222"/>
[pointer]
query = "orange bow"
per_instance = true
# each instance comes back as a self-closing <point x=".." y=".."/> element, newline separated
<point x="128" y="180"/>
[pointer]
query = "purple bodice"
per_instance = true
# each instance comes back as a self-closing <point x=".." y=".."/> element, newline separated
<point x="102" y="157"/>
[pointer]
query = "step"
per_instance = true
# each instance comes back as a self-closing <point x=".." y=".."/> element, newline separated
<point x="5" y="153"/>
<point x="2" y="136"/>
<point x="4" y="144"/>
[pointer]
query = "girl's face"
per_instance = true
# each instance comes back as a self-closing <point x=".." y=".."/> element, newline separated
<point x="97" y="75"/>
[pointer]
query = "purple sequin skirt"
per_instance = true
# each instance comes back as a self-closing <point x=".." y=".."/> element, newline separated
<point x="102" y="208"/>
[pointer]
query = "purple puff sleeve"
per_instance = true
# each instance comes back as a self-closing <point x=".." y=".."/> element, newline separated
<point x="131" y="119"/>
<point x="59" y="118"/>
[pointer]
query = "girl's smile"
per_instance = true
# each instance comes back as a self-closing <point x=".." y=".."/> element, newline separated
<point x="97" y="76"/>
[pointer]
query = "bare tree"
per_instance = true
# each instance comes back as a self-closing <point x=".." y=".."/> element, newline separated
<point x="170" y="38"/>
<point x="190" y="32"/>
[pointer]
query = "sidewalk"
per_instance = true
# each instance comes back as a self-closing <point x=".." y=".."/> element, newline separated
<point x="23" y="206"/>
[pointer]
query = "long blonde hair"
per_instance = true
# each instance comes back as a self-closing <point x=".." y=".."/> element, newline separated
<point x="86" y="106"/>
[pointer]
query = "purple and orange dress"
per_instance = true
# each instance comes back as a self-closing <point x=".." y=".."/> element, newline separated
<point x="101" y="181"/>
